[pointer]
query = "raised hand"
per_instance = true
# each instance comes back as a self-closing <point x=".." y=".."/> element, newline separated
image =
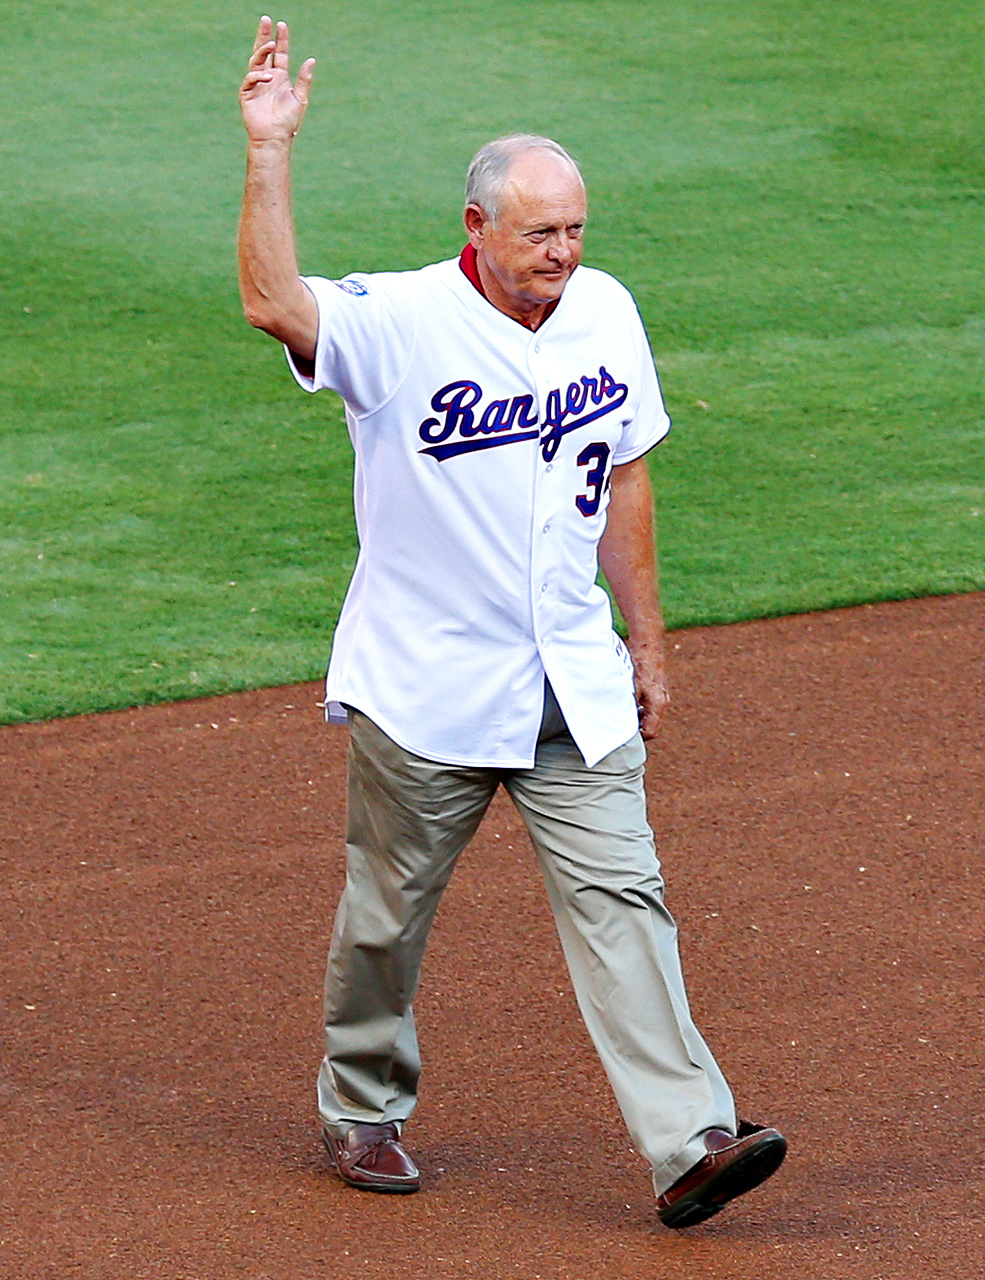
<point x="272" y="106"/>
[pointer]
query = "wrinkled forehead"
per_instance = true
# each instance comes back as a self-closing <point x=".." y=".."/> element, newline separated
<point x="540" y="181"/>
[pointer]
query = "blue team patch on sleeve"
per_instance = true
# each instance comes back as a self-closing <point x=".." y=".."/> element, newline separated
<point x="351" y="286"/>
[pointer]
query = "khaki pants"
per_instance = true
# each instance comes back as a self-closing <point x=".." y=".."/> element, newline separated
<point x="409" y="818"/>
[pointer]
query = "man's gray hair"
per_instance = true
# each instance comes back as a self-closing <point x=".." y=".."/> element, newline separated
<point x="491" y="165"/>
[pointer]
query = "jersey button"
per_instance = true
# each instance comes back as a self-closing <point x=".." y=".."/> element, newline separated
<point x="547" y="528"/>
<point x="549" y="467"/>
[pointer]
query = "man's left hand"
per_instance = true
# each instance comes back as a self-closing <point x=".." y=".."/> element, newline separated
<point x="652" y="694"/>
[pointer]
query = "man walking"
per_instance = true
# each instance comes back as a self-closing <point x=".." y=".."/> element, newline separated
<point x="500" y="406"/>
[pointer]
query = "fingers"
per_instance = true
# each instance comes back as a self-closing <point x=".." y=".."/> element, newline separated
<point x="302" y="86"/>
<point x="260" y="56"/>
<point x="652" y="700"/>
<point x="263" y="33"/>
<point x="281" y="47"/>
<point x="252" y="79"/>
<point x="267" y="78"/>
<point x="271" y="40"/>
<point x="273" y="47"/>
<point x="650" y="718"/>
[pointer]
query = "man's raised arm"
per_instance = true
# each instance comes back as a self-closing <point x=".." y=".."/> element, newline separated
<point x="274" y="298"/>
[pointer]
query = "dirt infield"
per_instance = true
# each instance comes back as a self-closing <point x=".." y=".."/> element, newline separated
<point x="170" y="876"/>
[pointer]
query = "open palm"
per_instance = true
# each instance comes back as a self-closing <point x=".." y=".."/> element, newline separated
<point x="272" y="105"/>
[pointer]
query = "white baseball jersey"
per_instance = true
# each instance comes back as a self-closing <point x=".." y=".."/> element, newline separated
<point x="482" y="458"/>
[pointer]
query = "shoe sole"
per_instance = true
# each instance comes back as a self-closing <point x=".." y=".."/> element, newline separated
<point x="742" y="1175"/>
<point x="387" y="1189"/>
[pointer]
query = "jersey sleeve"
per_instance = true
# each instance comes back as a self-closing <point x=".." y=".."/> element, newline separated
<point x="649" y="422"/>
<point x="366" y="332"/>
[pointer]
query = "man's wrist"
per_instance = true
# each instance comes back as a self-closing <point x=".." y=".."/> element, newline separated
<point x="648" y="640"/>
<point x="273" y="148"/>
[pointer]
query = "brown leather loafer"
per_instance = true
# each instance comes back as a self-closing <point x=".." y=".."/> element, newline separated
<point x="371" y="1158"/>
<point x="732" y="1166"/>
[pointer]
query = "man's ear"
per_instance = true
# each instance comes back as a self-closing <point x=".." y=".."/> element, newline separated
<point x="476" y="222"/>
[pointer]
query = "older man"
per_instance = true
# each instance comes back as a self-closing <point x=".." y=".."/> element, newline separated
<point x="500" y="406"/>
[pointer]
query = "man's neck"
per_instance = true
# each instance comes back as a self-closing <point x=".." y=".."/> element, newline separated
<point x="531" y="317"/>
<point x="487" y="284"/>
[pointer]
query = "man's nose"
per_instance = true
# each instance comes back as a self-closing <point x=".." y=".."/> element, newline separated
<point x="560" y="249"/>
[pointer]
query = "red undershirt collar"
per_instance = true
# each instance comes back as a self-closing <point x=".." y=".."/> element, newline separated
<point x="469" y="263"/>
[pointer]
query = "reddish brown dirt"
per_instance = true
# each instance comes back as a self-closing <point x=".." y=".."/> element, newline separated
<point x="170" y="877"/>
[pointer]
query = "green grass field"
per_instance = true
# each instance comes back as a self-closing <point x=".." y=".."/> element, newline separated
<point x="793" y="191"/>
